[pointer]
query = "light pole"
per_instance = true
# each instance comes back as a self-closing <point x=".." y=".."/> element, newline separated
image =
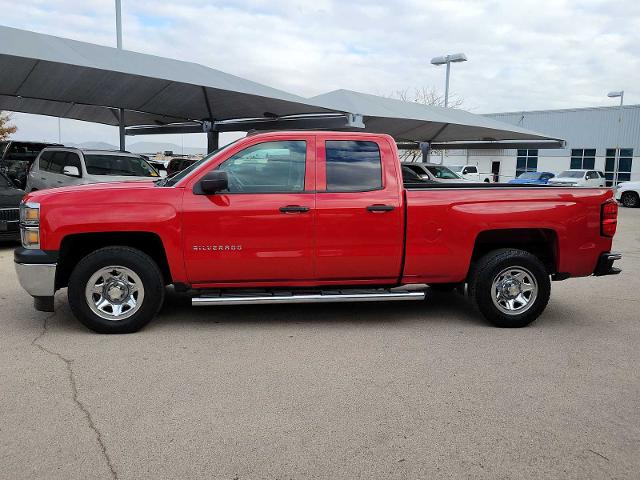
<point x="616" y="94"/>
<point x="448" y="60"/>
<point x="119" y="45"/>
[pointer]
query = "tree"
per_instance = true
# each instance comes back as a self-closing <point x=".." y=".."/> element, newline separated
<point x="424" y="96"/>
<point x="6" y="128"/>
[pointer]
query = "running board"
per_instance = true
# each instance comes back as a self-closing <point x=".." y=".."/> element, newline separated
<point x="229" y="298"/>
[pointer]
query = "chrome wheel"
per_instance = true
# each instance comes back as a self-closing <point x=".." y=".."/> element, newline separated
<point x="114" y="293"/>
<point x="514" y="290"/>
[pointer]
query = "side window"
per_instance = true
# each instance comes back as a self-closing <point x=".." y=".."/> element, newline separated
<point x="472" y="170"/>
<point x="43" y="162"/>
<point x="57" y="162"/>
<point x="73" y="160"/>
<point x="353" y="166"/>
<point x="269" y="167"/>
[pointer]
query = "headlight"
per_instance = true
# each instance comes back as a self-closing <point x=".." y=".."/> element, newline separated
<point x="30" y="213"/>
<point x="30" y="225"/>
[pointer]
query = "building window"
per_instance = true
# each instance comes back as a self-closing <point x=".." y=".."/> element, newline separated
<point x="527" y="161"/>
<point x="583" y="159"/>
<point x="623" y="169"/>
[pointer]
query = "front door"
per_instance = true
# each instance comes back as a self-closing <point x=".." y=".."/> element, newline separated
<point x="359" y="211"/>
<point x="261" y="229"/>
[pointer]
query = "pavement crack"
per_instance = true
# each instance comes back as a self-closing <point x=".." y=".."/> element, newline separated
<point x="74" y="391"/>
<point x="599" y="454"/>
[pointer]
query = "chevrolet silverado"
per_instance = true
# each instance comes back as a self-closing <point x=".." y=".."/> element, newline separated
<point x="297" y="217"/>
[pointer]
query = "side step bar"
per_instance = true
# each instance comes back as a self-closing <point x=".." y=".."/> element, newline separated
<point x="229" y="298"/>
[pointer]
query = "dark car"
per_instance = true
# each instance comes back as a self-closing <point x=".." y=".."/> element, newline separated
<point x="10" y="197"/>
<point x="178" y="164"/>
<point x="16" y="158"/>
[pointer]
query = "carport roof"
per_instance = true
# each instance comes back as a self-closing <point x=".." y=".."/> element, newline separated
<point x="48" y="75"/>
<point x="424" y="123"/>
<point x="55" y="76"/>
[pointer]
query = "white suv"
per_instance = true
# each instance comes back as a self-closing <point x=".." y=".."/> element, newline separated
<point x="579" y="178"/>
<point x="62" y="166"/>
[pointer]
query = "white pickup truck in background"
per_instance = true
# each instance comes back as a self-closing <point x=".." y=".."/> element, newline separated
<point x="470" y="172"/>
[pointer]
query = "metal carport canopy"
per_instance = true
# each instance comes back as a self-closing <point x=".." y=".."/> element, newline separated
<point x="49" y="75"/>
<point x="412" y="121"/>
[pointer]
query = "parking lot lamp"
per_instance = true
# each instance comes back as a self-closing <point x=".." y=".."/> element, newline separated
<point x="616" y="94"/>
<point x="448" y="60"/>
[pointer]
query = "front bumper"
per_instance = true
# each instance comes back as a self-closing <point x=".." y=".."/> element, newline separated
<point x="605" y="264"/>
<point x="38" y="279"/>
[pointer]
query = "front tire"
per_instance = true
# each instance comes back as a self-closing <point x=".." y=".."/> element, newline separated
<point x="116" y="290"/>
<point x="630" y="199"/>
<point x="510" y="287"/>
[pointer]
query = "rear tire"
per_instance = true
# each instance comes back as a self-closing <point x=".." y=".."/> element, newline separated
<point x="116" y="290"/>
<point x="510" y="287"/>
<point x="630" y="199"/>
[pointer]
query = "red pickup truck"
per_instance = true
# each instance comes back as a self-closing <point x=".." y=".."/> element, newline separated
<point x="294" y="217"/>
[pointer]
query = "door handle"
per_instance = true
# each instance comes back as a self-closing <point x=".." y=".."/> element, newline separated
<point x="294" y="209"/>
<point x="380" y="208"/>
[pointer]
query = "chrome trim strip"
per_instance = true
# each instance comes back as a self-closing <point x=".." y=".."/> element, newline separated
<point x="306" y="298"/>
<point x="38" y="279"/>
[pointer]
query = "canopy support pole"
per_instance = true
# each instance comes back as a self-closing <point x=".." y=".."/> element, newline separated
<point x="121" y="129"/>
<point x="213" y="141"/>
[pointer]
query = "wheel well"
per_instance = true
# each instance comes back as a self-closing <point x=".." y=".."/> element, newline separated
<point x="543" y="243"/>
<point x="75" y="247"/>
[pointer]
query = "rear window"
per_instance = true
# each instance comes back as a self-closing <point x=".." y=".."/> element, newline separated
<point x="118" y="165"/>
<point x="24" y="151"/>
<point x="439" y="171"/>
<point x="353" y="166"/>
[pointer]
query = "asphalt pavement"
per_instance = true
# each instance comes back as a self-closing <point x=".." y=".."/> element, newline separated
<point x="398" y="390"/>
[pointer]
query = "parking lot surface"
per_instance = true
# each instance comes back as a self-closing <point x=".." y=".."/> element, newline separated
<point x="399" y="390"/>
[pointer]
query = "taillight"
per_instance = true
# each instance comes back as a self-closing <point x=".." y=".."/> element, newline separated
<point x="609" y="219"/>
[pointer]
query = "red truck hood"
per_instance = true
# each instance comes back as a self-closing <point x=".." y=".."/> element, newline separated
<point x="93" y="187"/>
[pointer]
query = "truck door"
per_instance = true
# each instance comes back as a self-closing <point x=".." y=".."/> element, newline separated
<point x="261" y="229"/>
<point x="359" y="210"/>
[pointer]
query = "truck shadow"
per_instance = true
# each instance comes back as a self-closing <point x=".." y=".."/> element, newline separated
<point x="437" y="308"/>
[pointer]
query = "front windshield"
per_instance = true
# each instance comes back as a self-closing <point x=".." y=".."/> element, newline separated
<point x="171" y="181"/>
<point x="456" y="168"/>
<point x="530" y="176"/>
<point x="444" y="173"/>
<point x="118" y="165"/>
<point x="571" y="174"/>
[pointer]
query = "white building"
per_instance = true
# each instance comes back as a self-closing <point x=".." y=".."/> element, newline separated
<point x="592" y="135"/>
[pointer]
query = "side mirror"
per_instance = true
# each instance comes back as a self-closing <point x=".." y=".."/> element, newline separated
<point x="71" y="171"/>
<point x="211" y="183"/>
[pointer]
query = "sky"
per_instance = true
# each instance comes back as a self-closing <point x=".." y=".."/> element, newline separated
<point x="523" y="55"/>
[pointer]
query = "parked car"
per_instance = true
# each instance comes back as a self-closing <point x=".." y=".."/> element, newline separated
<point x="64" y="166"/>
<point x="579" y="178"/>
<point x="297" y="217"/>
<point x="533" y="178"/>
<point x="176" y="165"/>
<point x="628" y="193"/>
<point x="16" y="158"/>
<point x="10" y="197"/>
<point x="433" y="172"/>
<point x="470" y="172"/>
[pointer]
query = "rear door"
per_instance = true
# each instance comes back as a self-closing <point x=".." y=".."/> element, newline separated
<point x="359" y="210"/>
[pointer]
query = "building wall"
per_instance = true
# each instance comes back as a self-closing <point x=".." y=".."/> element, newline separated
<point x="598" y="128"/>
